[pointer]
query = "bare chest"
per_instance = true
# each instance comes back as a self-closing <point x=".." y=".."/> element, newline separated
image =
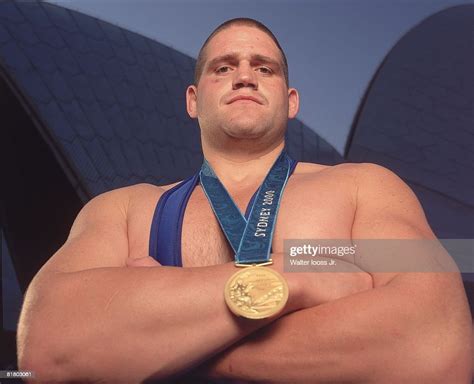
<point x="323" y="212"/>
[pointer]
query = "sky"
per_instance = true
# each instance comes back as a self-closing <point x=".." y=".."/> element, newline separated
<point x="333" y="46"/>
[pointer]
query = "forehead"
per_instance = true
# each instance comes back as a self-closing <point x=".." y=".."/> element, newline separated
<point x="244" y="40"/>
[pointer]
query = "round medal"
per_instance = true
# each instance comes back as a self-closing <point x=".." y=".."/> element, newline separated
<point x="256" y="292"/>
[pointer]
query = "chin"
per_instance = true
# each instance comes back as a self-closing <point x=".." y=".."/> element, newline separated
<point x="244" y="126"/>
<point x="244" y="131"/>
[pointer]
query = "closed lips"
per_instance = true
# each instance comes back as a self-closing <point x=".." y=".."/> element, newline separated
<point x="251" y="98"/>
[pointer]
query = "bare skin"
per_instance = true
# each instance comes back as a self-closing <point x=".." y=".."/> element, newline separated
<point x="108" y="320"/>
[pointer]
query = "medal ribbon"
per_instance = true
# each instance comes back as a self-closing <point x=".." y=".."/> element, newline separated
<point x="250" y="239"/>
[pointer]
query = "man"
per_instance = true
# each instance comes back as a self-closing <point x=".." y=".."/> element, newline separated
<point x="91" y="314"/>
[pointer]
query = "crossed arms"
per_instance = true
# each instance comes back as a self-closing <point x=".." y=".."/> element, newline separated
<point x="116" y="324"/>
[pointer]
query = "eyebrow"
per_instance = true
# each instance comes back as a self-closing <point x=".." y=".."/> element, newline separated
<point x="234" y="57"/>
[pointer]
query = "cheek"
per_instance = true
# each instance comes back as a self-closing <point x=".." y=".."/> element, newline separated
<point x="210" y="97"/>
<point x="277" y="94"/>
<point x="282" y="101"/>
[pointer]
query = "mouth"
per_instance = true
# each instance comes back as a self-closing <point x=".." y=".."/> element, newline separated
<point x="245" y="99"/>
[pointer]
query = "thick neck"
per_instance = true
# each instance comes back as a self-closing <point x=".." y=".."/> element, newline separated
<point x="240" y="170"/>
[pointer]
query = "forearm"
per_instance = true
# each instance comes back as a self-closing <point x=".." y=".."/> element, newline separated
<point x="123" y="325"/>
<point x="388" y="334"/>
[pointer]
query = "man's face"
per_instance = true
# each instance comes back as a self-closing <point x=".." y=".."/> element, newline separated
<point x="242" y="92"/>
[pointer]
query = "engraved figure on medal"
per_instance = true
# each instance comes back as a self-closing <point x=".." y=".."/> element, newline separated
<point x="256" y="293"/>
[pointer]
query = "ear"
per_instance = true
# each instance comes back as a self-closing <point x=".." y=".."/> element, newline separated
<point x="191" y="101"/>
<point x="293" y="103"/>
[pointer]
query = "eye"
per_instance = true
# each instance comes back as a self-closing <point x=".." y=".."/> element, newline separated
<point x="264" y="70"/>
<point x="223" y="69"/>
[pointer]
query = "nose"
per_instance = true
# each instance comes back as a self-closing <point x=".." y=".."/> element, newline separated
<point x="244" y="76"/>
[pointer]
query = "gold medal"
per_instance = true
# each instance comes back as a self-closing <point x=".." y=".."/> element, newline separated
<point x="256" y="292"/>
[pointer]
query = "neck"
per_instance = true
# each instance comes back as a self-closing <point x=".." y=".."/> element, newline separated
<point x="242" y="169"/>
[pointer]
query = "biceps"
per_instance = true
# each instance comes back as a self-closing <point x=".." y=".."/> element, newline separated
<point x="390" y="225"/>
<point x="401" y="248"/>
<point x="90" y="249"/>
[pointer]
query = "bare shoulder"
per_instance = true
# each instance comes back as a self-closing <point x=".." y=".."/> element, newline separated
<point x="108" y="207"/>
<point x="342" y="173"/>
<point x="378" y="182"/>
<point x="122" y="197"/>
<point x="367" y="185"/>
<point x="386" y="206"/>
<point x="125" y="200"/>
<point x="343" y="168"/>
<point x="142" y="196"/>
<point x="359" y="172"/>
<point x="117" y="205"/>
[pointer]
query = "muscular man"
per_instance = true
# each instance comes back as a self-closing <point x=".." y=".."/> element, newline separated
<point x="93" y="313"/>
